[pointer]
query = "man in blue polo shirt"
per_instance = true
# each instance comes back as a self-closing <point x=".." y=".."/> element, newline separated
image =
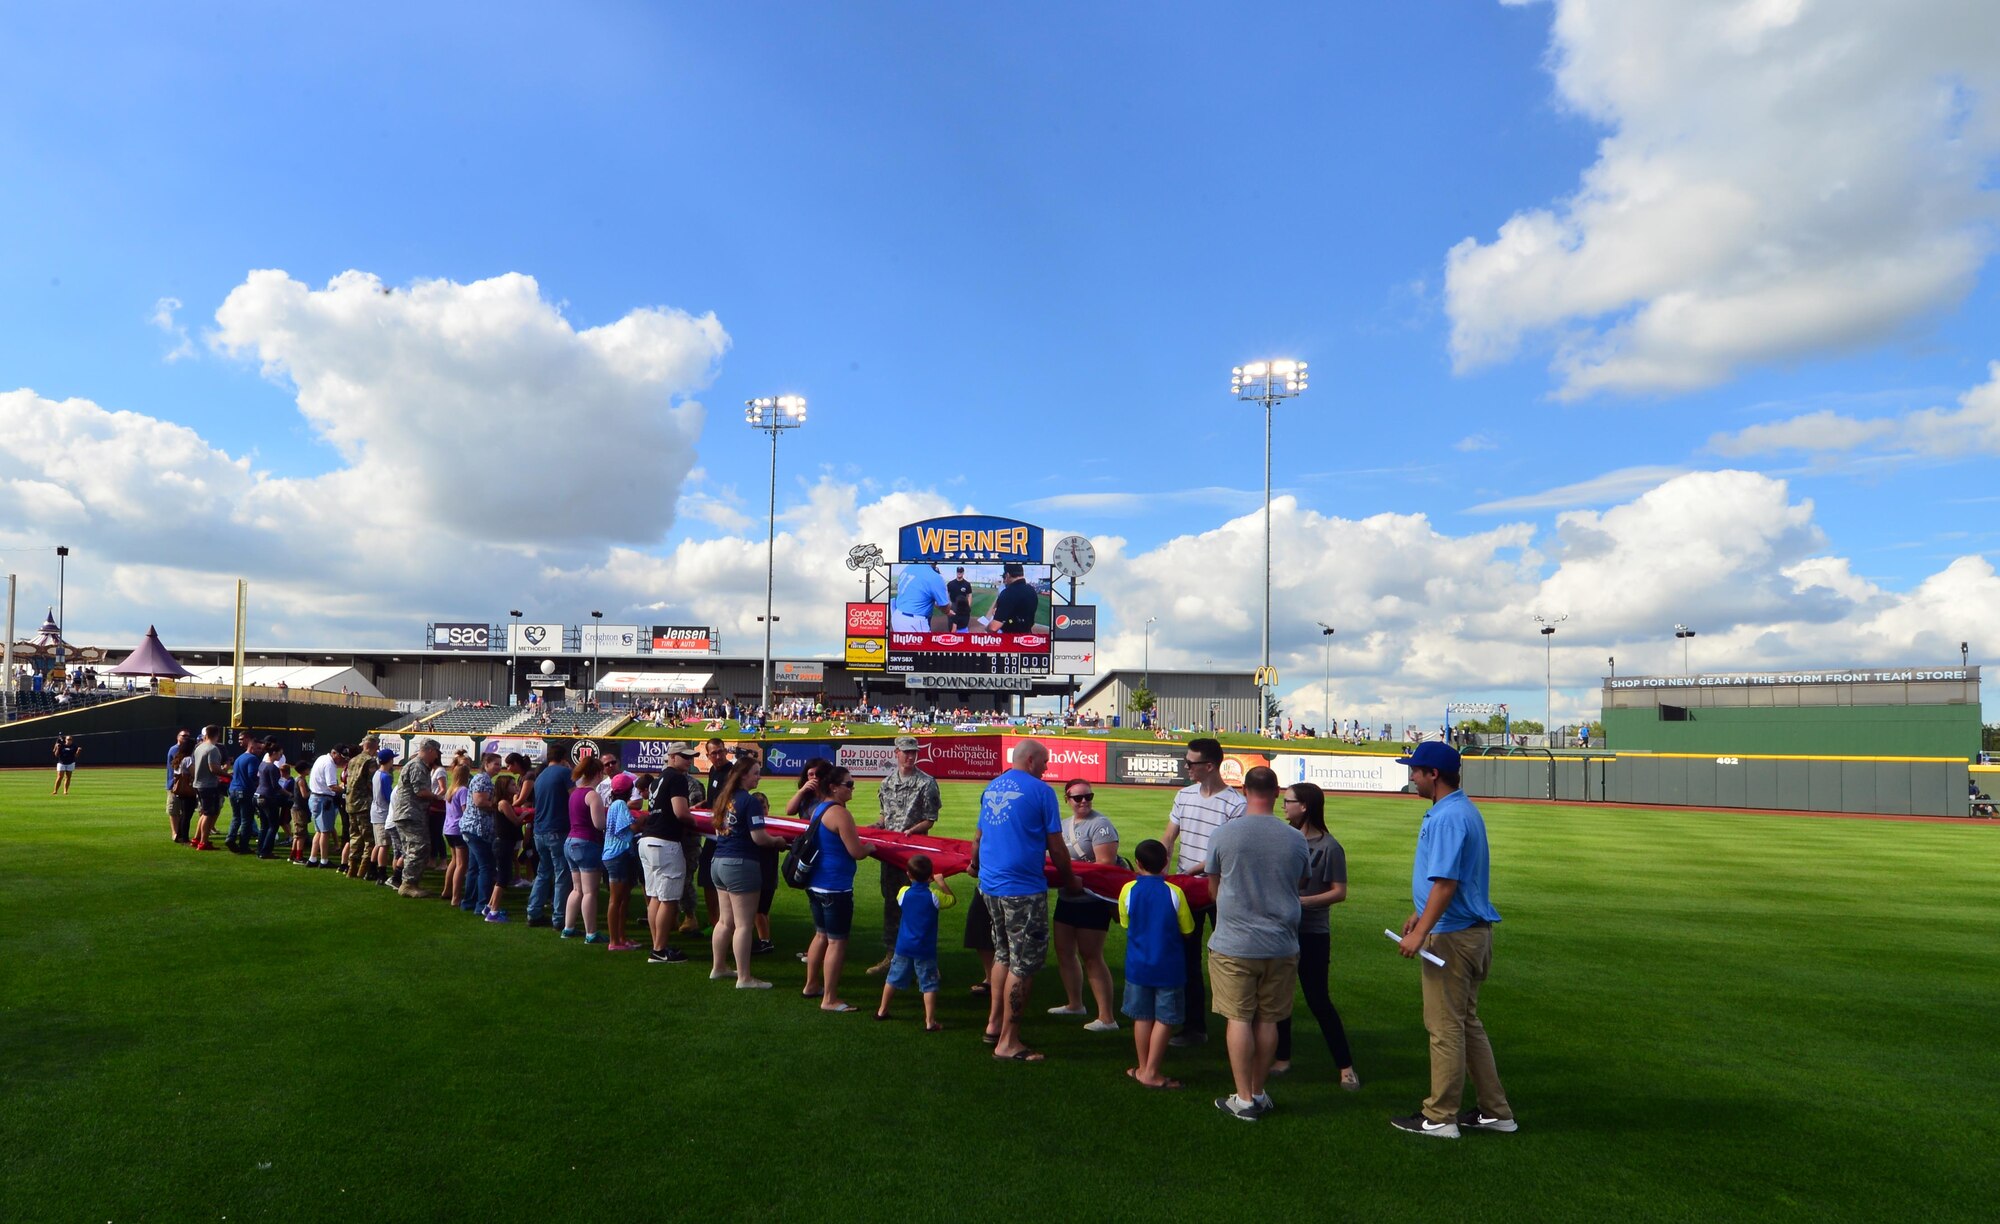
<point x="1453" y="920"/>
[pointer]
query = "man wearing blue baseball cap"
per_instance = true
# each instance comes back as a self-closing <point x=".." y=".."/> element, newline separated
<point x="1453" y="920"/>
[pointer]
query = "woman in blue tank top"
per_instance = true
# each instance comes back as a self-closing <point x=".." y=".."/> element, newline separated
<point x="831" y="891"/>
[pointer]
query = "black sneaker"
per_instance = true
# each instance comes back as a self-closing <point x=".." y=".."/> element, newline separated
<point x="762" y="946"/>
<point x="1238" y="1108"/>
<point x="1418" y="1124"/>
<point x="1181" y="1041"/>
<point x="540" y="922"/>
<point x="669" y="956"/>
<point x="1473" y="1119"/>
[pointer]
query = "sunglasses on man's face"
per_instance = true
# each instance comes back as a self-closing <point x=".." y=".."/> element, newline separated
<point x="1194" y="761"/>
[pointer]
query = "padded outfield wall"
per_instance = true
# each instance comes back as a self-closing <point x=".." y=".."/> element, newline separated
<point x="1882" y="712"/>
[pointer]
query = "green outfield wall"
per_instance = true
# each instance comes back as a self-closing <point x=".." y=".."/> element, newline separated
<point x="1875" y="731"/>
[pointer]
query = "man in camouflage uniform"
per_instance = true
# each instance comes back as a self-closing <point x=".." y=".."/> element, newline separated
<point x="358" y="780"/>
<point x="910" y="802"/>
<point x="408" y="816"/>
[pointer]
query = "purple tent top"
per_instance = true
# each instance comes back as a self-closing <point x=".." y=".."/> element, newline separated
<point x="151" y="659"/>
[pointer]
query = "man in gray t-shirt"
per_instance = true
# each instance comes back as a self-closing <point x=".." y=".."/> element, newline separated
<point x="1254" y="865"/>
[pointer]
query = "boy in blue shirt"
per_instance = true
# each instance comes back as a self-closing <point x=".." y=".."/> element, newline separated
<point x="915" y="958"/>
<point x="1157" y="922"/>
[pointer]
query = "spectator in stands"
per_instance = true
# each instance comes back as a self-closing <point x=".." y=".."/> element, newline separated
<point x="550" y="894"/>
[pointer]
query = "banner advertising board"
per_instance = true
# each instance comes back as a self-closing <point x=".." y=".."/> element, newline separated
<point x="1076" y="623"/>
<point x="1236" y="764"/>
<point x="1069" y="759"/>
<point x="867" y="654"/>
<point x="1148" y="766"/>
<point x="789" y="759"/>
<point x="970" y="537"/>
<point x="681" y="639"/>
<point x="1073" y="658"/>
<point x="644" y="756"/>
<point x="533" y="747"/>
<point x="447" y="745"/>
<point x="867" y="760"/>
<point x="683" y="683"/>
<point x="461" y="635"/>
<point x="963" y="757"/>
<point x="1903" y="675"/>
<point x="972" y="684"/>
<point x="608" y="639"/>
<point x="535" y="639"/>
<point x="1347" y="773"/>
<point x="801" y="671"/>
<point x="867" y="620"/>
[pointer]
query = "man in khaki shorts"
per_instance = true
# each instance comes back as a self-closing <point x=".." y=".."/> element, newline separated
<point x="1255" y="863"/>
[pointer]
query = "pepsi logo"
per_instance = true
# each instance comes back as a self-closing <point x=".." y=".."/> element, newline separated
<point x="1062" y="620"/>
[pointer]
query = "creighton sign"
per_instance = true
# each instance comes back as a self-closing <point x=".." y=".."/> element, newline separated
<point x="1905" y="675"/>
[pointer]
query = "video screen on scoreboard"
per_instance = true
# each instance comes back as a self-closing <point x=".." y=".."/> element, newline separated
<point x="976" y="617"/>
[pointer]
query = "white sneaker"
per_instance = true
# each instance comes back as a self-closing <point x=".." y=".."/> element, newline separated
<point x="1101" y="1026"/>
<point x="1067" y="1010"/>
<point x="754" y="984"/>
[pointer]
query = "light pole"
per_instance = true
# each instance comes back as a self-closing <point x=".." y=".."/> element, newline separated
<point x="62" y="630"/>
<point x="513" y="632"/>
<point x="1548" y="624"/>
<point x="1683" y="633"/>
<point x="1147" y="657"/>
<point x="596" y="633"/>
<point x="1326" y="679"/>
<point x="774" y="415"/>
<point x="1965" y="654"/>
<point x="1267" y="382"/>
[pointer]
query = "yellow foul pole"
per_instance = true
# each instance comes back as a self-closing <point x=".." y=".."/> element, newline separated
<point x="236" y="685"/>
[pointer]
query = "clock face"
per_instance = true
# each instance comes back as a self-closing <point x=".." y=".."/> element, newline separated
<point x="1074" y="556"/>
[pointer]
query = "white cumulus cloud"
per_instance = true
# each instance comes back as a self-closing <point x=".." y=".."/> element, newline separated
<point x="1779" y="177"/>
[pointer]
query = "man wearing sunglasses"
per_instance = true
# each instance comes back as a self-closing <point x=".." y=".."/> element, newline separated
<point x="1200" y="808"/>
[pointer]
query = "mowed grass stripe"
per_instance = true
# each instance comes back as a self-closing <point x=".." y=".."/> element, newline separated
<point x="1698" y="1015"/>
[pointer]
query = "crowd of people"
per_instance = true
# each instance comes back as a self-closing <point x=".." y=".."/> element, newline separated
<point x="580" y="833"/>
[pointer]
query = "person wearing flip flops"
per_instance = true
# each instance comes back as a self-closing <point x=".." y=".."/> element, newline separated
<point x="1020" y="833"/>
<point x="831" y="890"/>
<point x="913" y="961"/>
<point x="1082" y="920"/>
<point x="1158" y="920"/>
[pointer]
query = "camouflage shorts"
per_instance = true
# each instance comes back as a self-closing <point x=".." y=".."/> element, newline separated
<point x="361" y="838"/>
<point x="1020" y="932"/>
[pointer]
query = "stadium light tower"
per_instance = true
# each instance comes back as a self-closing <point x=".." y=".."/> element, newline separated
<point x="513" y="632"/>
<point x="1548" y="624"/>
<point x="1683" y="633"/>
<point x="774" y="415"/>
<point x="62" y="614"/>
<point x="1326" y="678"/>
<point x="596" y="633"/>
<point x="1146" y="661"/>
<point x="1267" y="382"/>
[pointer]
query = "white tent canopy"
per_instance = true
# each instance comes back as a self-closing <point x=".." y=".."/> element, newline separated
<point x="326" y="679"/>
<point x="654" y="682"/>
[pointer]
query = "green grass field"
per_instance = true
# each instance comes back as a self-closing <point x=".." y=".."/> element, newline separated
<point x="1698" y="1016"/>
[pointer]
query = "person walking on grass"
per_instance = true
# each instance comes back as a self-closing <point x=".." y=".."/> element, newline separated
<point x="583" y="850"/>
<point x="323" y="787"/>
<point x="909" y="803"/>
<point x="1453" y="920"/>
<point x="409" y="808"/>
<point x="548" y="897"/>
<point x="67" y="752"/>
<point x="1324" y="886"/>
<point x="1254" y="865"/>
<point x="1200" y="808"/>
<point x="831" y="890"/>
<point x="915" y="960"/>
<point x="739" y="831"/>
<point x="1082" y="920"/>
<point x="1157" y="920"/>
<point x="177" y="812"/>
<point x="1020" y="832"/>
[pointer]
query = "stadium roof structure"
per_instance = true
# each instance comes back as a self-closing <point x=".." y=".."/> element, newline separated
<point x="150" y="659"/>
<point x="321" y="677"/>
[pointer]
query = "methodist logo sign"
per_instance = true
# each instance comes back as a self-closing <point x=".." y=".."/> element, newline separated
<point x="460" y="635"/>
<point x="536" y="639"/>
<point x="971" y="537"/>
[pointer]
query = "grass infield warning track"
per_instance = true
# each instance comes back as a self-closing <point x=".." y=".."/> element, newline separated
<point x="1698" y="1016"/>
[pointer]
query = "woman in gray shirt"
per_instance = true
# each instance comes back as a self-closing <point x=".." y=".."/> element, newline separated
<point x="1081" y="920"/>
<point x="1324" y="886"/>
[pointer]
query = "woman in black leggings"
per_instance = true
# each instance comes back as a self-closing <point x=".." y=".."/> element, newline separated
<point x="1324" y="885"/>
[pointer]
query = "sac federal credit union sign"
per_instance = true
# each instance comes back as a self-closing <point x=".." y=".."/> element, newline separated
<point x="1902" y="675"/>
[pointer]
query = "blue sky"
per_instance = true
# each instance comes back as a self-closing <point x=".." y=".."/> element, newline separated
<point x="1010" y="255"/>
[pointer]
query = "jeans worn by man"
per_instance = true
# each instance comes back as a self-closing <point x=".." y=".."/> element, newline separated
<point x="242" y="821"/>
<point x="549" y="895"/>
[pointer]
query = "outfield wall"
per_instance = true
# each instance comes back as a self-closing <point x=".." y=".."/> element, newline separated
<point x="139" y="731"/>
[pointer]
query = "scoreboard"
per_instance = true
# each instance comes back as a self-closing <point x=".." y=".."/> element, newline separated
<point x="975" y="654"/>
